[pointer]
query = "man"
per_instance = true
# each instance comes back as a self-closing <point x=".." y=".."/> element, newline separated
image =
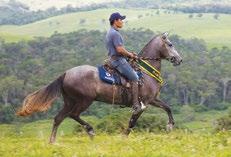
<point x="118" y="55"/>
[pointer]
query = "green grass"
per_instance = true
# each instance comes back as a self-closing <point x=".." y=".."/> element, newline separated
<point x="174" y="144"/>
<point x="9" y="37"/>
<point x="203" y="121"/>
<point x="216" y="33"/>
<point x="31" y="140"/>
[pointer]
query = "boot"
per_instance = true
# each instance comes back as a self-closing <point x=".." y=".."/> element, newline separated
<point x="135" y="102"/>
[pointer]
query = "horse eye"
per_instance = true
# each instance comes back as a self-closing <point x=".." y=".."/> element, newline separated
<point x="170" y="45"/>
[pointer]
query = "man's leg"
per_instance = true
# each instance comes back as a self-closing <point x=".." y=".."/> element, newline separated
<point x="135" y="97"/>
<point x="128" y="72"/>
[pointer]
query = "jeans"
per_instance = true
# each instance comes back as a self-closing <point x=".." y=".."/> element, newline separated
<point x="125" y="69"/>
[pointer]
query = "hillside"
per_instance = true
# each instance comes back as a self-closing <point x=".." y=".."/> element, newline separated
<point x="216" y="32"/>
<point x="35" y="5"/>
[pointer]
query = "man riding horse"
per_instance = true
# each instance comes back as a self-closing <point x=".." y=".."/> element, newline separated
<point x="82" y="85"/>
<point x="118" y="55"/>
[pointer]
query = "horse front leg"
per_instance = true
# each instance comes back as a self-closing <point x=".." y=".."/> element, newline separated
<point x="132" y="122"/>
<point x="159" y="103"/>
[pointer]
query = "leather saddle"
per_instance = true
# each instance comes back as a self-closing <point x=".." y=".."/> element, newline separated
<point x="109" y="74"/>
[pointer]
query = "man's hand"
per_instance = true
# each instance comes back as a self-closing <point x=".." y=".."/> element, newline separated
<point x="121" y="50"/>
<point x="133" y="55"/>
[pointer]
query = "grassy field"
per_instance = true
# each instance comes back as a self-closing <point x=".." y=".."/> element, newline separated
<point x="175" y="144"/>
<point x="197" y="140"/>
<point x="216" y="33"/>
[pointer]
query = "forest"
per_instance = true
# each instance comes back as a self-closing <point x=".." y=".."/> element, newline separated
<point x="203" y="81"/>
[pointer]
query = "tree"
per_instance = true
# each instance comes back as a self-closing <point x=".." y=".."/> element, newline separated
<point x="82" y="21"/>
<point x="8" y="85"/>
<point x="199" y="15"/>
<point x="190" y="16"/>
<point x="216" y="16"/>
<point x="157" y="12"/>
<point x="140" y="16"/>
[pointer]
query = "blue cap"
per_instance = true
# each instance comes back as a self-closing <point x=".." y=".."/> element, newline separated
<point x="115" y="16"/>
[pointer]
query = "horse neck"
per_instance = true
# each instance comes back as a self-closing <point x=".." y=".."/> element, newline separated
<point x="151" y="50"/>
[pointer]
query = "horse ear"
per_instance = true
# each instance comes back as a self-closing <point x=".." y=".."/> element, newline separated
<point x="165" y="35"/>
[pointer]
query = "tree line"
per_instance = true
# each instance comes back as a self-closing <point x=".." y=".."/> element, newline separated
<point x="203" y="80"/>
<point x="203" y="8"/>
<point x="17" y="13"/>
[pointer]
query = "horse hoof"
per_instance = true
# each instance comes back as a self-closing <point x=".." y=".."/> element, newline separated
<point x="169" y="127"/>
<point x="91" y="134"/>
<point x="127" y="132"/>
<point x="51" y="142"/>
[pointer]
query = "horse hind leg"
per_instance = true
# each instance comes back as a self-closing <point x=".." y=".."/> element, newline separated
<point x="89" y="129"/>
<point x="80" y="107"/>
<point x="68" y="107"/>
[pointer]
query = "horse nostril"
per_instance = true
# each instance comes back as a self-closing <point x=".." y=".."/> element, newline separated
<point x="173" y="59"/>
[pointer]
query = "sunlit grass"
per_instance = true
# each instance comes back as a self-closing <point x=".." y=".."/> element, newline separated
<point x="175" y="144"/>
<point x="9" y="37"/>
<point x="195" y="139"/>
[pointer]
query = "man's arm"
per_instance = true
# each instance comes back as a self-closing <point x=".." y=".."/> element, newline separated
<point x="118" y="43"/>
<point x="121" y="50"/>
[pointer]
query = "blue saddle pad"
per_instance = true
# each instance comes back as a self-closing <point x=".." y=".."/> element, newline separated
<point x="105" y="76"/>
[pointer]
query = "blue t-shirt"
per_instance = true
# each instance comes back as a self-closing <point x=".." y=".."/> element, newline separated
<point x="113" y="39"/>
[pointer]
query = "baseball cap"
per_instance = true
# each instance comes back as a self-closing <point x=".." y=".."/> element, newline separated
<point x="115" y="16"/>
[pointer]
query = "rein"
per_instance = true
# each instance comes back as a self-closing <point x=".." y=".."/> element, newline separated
<point x="149" y="58"/>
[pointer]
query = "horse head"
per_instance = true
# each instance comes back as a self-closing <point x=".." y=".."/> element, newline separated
<point x="168" y="51"/>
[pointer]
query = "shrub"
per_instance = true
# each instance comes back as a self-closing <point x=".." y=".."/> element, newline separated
<point x="199" y="108"/>
<point x="115" y="122"/>
<point x="188" y="113"/>
<point x="176" y="109"/>
<point x="151" y="123"/>
<point x="219" y="106"/>
<point x="224" y="123"/>
<point x="6" y="114"/>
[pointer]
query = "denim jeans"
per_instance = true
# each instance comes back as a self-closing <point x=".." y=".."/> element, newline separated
<point x="125" y="69"/>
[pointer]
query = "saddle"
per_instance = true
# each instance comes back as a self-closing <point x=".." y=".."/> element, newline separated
<point x="109" y="74"/>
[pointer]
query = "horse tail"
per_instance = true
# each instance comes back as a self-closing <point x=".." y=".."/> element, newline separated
<point x="42" y="99"/>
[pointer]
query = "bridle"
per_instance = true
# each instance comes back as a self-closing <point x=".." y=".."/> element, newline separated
<point x="150" y="58"/>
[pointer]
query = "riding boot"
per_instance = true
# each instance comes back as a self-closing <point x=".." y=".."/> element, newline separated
<point x="135" y="102"/>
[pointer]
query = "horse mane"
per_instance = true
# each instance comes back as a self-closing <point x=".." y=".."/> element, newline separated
<point x="141" y="52"/>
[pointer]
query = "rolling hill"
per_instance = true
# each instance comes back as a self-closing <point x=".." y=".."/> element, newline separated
<point x="216" y="32"/>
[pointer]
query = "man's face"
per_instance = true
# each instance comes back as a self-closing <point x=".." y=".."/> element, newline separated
<point x="119" y="23"/>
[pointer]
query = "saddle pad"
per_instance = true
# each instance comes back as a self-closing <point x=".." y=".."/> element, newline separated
<point x="107" y="77"/>
<point x="111" y="78"/>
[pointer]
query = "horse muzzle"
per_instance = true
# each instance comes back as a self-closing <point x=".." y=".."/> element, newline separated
<point x="175" y="61"/>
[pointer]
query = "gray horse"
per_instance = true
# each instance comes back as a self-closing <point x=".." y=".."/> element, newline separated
<point x="81" y="85"/>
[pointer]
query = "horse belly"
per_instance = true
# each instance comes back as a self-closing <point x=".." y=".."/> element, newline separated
<point x="110" y="93"/>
